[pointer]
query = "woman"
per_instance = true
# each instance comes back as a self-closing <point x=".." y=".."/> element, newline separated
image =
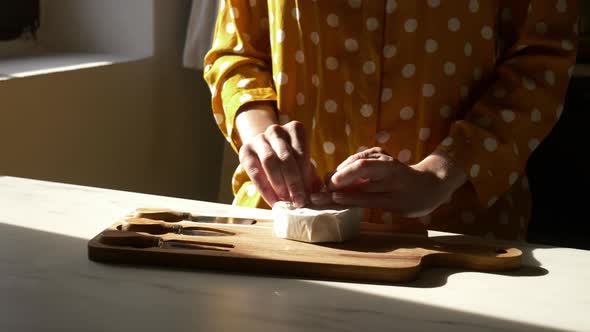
<point x="452" y="96"/>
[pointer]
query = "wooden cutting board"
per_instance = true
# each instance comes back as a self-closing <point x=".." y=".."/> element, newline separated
<point x="373" y="257"/>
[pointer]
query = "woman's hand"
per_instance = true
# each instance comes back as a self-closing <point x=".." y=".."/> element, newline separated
<point x="277" y="158"/>
<point x="373" y="179"/>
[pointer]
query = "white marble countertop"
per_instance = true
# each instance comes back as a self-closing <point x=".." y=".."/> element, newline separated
<point x="48" y="284"/>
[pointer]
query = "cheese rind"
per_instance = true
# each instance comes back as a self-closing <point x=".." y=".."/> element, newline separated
<point x="316" y="224"/>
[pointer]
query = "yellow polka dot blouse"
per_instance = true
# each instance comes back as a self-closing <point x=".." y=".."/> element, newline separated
<point x="483" y="80"/>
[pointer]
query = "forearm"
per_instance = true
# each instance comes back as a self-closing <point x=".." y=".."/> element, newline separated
<point x="254" y="119"/>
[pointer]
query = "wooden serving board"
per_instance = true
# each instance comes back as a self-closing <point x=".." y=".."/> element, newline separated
<point x="373" y="257"/>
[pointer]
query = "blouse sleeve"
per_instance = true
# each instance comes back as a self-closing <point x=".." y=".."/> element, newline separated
<point x="237" y="67"/>
<point x="495" y="138"/>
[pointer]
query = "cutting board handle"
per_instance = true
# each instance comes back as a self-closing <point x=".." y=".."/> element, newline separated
<point x="478" y="258"/>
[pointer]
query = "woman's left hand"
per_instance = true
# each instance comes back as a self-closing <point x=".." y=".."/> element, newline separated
<point x="374" y="179"/>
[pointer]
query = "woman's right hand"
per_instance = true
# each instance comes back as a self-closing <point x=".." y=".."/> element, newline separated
<point x="277" y="161"/>
<point x="276" y="158"/>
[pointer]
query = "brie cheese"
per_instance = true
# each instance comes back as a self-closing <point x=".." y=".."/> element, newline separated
<point x="316" y="224"/>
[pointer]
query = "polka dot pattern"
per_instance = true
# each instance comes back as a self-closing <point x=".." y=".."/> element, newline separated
<point x="388" y="78"/>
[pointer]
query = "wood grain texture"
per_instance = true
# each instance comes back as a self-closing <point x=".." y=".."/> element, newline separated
<point x="373" y="257"/>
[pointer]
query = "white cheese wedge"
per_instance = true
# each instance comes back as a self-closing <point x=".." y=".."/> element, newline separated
<point x="316" y="224"/>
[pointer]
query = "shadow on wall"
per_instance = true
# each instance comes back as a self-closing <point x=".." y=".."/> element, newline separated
<point x="50" y="281"/>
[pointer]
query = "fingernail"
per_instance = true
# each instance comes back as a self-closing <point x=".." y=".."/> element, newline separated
<point x="299" y="201"/>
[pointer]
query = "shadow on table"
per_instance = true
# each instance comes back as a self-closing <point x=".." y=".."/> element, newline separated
<point x="50" y="284"/>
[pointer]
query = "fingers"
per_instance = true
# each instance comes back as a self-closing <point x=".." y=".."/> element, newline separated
<point x="321" y="198"/>
<point x="280" y="142"/>
<point x="255" y="171"/>
<point x="300" y="147"/>
<point x="360" y="171"/>
<point x="272" y="166"/>
<point x="372" y="153"/>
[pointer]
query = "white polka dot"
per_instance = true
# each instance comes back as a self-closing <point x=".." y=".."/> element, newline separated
<point x="445" y="111"/>
<point x="387" y="218"/>
<point x="243" y="82"/>
<point x="408" y="70"/>
<point x="347" y="129"/>
<point x="477" y="73"/>
<point x="424" y="134"/>
<point x="535" y="115"/>
<point x="224" y="66"/>
<point x="383" y="136"/>
<point x="219" y="118"/>
<point x="369" y="67"/>
<point x="490" y="144"/>
<point x="507" y="115"/>
<point x="567" y="45"/>
<point x="271" y="18"/>
<point x="390" y="6"/>
<point x="351" y="45"/>
<point x="366" y="110"/>
<point x="250" y="190"/>
<point x="295" y="13"/>
<point x="430" y="46"/>
<point x="541" y="28"/>
<point x="404" y="155"/>
<point x="348" y="87"/>
<point x="230" y="27"/>
<point x="428" y="90"/>
<point x="332" y="20"/>
<point x="315" y="80"/>
<point x="300" y="99"/>
<point x="406" y="113"/>
<point x="282" y="78"/>
<point x="283" y="119"/>
<point x="533" y="144"/>
<point x="315" y="37"/>
<point x="355" y="3"/>
<point x="468" y="49"/>
<point x="372" y="24"/>
<point x="331" y="63"/>
<point x="234" y="13"/>
<point x="410" y="25"/>
<point x="499" y="93"/>
<point x="528" y="83"/>
<point x="454" y="24"/>
<point x="449" y="68"/>
<point x="448" y="141"/>
<point x="433" y="3"/>
<point x="558" y="111"/>
<point x="506" y="14"/>
<point x="239" y="48"/>
<point x="329" y="147"/>
<point x="550" y="77"/>
<point x="280" y="36"/>
<point x="313" y="162"/>
<point x="299" y="56"/>
<point x="487" y="32"/>
<point x="252" y="3"/>
<point x="503" y="218"/>
<point x="207" y="67"/>
<point x="512" y="178"/>
<point x="467" y="217"/>
<point x="361" y="148"/>
<point x="561" y="6"/>
<point x="473" y="6"/>
<point x="275" y="58"/>
<point x="313" y="123"/>
<point x="464" y="91"/>
<point x="492" y="201"/>
<point x="474" y="170"/>
<point x="245" y="97"/>
<point x="389" y="51"/>
<point x="386" y="95"/>
<point x="331" y="106"/>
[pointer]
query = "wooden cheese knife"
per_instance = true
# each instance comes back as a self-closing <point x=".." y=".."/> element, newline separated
<point x="136" y="240"/>
<point x="159" y="227"/>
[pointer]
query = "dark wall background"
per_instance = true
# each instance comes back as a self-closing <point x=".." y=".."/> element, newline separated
<point x="560" y="177"/>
